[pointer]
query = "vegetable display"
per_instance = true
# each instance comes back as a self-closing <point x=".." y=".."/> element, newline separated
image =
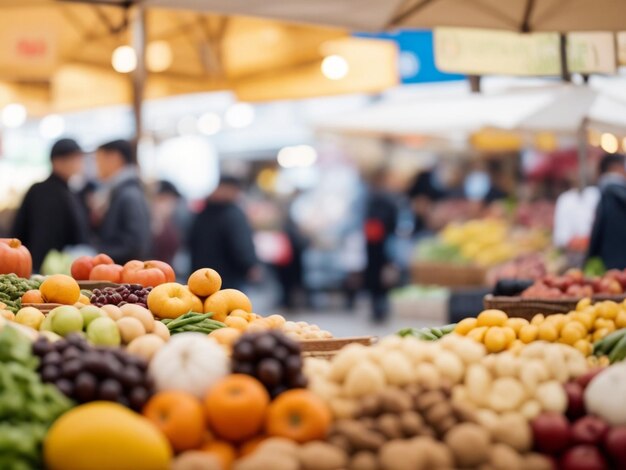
<point x="12" y="288"/>
<point x="428" y="333"/>
<point x="194" y="322"/>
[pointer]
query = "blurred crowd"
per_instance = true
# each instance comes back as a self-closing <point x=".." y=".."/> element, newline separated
<point x="119" y="215"/>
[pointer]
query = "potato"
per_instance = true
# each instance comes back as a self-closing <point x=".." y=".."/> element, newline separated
<point x="131" y="328"/>
<point x="279" y="445"/>
<point x="449" y="365"/>
<point x="401" y="455"/>
<point x="532" y="372"/>
<point x="359" y="436"/>
<point x="370" y="405"/>
<point x="343" y="408"/>
<point x="534" y="461"/>
<point x="502" y="457"/>
<point x="513" y="430"/>
<point x="415" y="350"/>
<point x="439" y="456"/>
<point x="196" y="460"/>
<point x="364" y="461"/>
<point x="478" y="383"/>
<point x="345" y="361"/>
<point x="429" y="399"/>
<point x="397" y="368"/>
<point x="145" y="346"/>
<point x="531" y="409"/>
<point x="507" y="365"/>
<point x="427" y="376"/>
<point x="394" y="400"/>
<point x="275" y="461"/>
<point x="551" y="396"/>
<point x="469" y="443"/>
<point x="554" y="359"/>
<point x="324" y="389"/>
<point x="411" y="423"/>
<point x="390" y="426"/>
<point x="506" y="394"/>
<point x="363" y="379"/>
<point x="319" y="455"/>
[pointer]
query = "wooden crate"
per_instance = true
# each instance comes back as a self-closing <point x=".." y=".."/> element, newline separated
<point x="327" y="348"/>
<point x="43" y="308"/>
<point x="91" y="285"/>
<point x="448" y="274"/>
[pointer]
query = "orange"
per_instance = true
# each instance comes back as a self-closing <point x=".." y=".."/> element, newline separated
<point x="225" y="301"/>
<point x="222" y="451"/>
<point x="32" y="296"/>
<point x="236" y="407"/>
<point x="225" y="336"/>
<point x="236" y="322"/>
<point x="204" y="282"/>
<point x="171" y="300"/>
<point x="60" y="289"/>
<point x="299" y="415"/>
<point x="180" y="416"/>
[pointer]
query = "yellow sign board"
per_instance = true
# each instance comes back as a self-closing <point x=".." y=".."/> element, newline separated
<point x="485" y="52"/>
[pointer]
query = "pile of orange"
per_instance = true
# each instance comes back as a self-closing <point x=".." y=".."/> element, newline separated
<point x="56" y="289"/>
<point x="235" y="417"/>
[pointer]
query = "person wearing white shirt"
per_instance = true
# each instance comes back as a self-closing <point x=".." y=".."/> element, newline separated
<point x="574" y="214"/>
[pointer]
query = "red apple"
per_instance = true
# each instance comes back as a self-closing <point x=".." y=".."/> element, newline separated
<point x="583" y="457"/>
<point x="170" y="276"/>
<point x="551" y="432"/>
<point x="81" y="268"/>
<point x="584" y="379"/>
<point x="610" y="286"/>
<point x="575" y="275"/>
<point x="107" y="272"/>
<point x="615" y="445"/>
<point x="589" y="430"/>
<point x="621" y="278"/>
<point x="575" y="400"/>
<point x="138" y="272"/>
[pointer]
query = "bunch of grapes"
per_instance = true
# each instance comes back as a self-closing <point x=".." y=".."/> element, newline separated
<point x="121" y="295"/>
<point x="271" y="357"/>
<point x="86" y="373"/>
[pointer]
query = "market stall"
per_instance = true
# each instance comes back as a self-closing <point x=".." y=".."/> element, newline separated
<point x="136" y="371"/>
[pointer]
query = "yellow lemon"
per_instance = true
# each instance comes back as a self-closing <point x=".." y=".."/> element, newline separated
<point x="558" y="320"/>
<point x="620" y="321"/>
<point x="538" y="319"/>
<point x="584" y="318"/>
<point x="600" y="333"/>
<point x="528" y="333"/>
<point x="495" y="339"/>
<point x="601" y="323"/>
<point x="584" y="346"/>
<point x="491" y="318"/>
<point x="516" y="346"/>
<point x="572" y="332"/>
<point x="608" y="310"/>
<point x="477" y="334"/>
<point x="465" y="326"/>
<point x="583" y="304"/>
<point x="509" y="334"/>
<point x="516" y="324"/>
<point x="548" y="332"/>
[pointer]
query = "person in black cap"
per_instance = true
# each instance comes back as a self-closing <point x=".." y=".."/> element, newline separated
<point x="123" y="217"/>
<point x="221" y="237"/>
<point x="50" y="217"/>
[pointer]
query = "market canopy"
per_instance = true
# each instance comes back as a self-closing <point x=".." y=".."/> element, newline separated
<point x="56" y="56"/>
<point x="512" y="15"/>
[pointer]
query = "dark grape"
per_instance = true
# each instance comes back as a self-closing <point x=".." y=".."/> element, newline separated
<point x="138" y="397"/>
<point x="293" y="365"/>
<point x="94" y="362"/>
<point x="65" y="386"/>
<point x="71" y="352"/>
<point x="60" y="346"/>
<point x="132" y="298"/>
<point x="109" y="389"/>
<point x="244" y="368"/>
<point x="270" y="372"/>
<point x="71" y="368"/>
<point x="274" y="392"/>
<point x="42" y="346"/>
<point x="52" y="358"/>
<point x="243" y="351"/>
<point x="264" y="346"/>
<point x="300" y="381"/>
<point x="85" y="386"/>
<point x="130" y="376"/>
<point x="78" y="340"/>
<point x="49" y="373"/>
<point x="281" y="353"/>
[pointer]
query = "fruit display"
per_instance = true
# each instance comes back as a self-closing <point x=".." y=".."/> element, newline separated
<point x="573" y="284"/>
<point x="579" y="328"/>
<point x="298" y="330"/>
<point x="428" y="333"/>
<point x="15" y="258"/>
<point x="195" y="322"/>
<point x="121" y="295"/>
<point x="272" y="358"/>
<point x="102" y="268"/>
<point x="12" y="288"/>
<point x="27" y="405"/>
<point x="86" y="373"/>
<point x="529" y="266"/>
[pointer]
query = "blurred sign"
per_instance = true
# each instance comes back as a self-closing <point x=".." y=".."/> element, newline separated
<point x="484" y="52"/>
<point x="29" y="50"/>
<point x="416" y="60"/>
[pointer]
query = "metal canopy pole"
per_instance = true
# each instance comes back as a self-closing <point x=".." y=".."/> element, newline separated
<point x="138" y="33"/>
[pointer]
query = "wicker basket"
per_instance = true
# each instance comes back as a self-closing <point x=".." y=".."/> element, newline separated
<point x="91" y="285"/>
<point x="43" y="308"/>
<point x="527" y="308"/>
<point x="327" y="348"/>
<point x="448" y="274"/>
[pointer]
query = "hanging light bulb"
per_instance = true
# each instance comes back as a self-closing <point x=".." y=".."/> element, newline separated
<point x="209" y="123"/>
<point x="609" y="142"/>
<point x="13" y="115"/>
<point x="124" y="59"/>
<point x="335" y="67"/>
<point x="52" y="126"/>
<point x="159" y="56"/>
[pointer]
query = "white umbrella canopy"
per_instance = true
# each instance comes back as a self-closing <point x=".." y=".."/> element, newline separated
<point x="512" y="15"/>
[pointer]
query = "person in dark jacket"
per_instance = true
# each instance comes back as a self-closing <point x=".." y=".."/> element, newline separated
<point x="608" y="234"/>
<point x="50" y="217"/>
<point x="122" y="215"/>
<point x="381" y="214"/>
<point x="221" y="237"/>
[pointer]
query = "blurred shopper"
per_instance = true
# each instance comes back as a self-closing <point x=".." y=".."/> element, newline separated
<point x="573" y="215"/>
<point x="381" y="215"/>
<point x="171" y="220"/>
<point x="221" y="237"/>
<point x="290" y="270"/>
<point x="121" y="215"/>
<point x="609" y="228"/>
<point x="51" y="217"/>
<point x="423" y="193"/>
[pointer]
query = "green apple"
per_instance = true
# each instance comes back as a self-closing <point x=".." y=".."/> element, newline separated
<point x="104" y="332"/>
<point x="50" y="336"/>
<point x="66" y="320"/>
<point x="90" y="313"/>
<point x="46" y="324"/>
